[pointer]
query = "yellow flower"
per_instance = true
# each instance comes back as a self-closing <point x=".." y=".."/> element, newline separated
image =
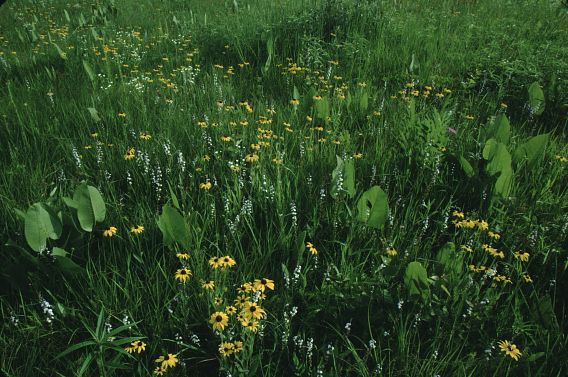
<point x="262" y="284"/>
<point x="295" y="102"/>
<point x="510" y="349"/>
<point x="523" y="256"/>
<point x="482" y="225"/>
<point x="226" y="349"/>
<point x="494" y="235"/>
<point x="238" y="346"/>
<point x="205" y="185"/>
<point x="209" y="284"/>
<point x="251" y="158"/>
<point x="227" y="261"/>
<point x="311" y="248"/>
<point x="235" y="168"/>
<point x="226" y="138"/>
<point x="137" y="229"/>
<point x="458" y="214"/>
<point x="110" y="231"/>
<point x="241" y="300"/>
<point x="527" y="278"/>
<point x="230" y="310"/>
<point x="182" y="255"/>
<point x="469" y="117"/>
<point x="167" y="361"/>
<point x="391" y="251"/>
<point x="218" y="301"/>
<point x="253" y="310"/>
<point x="250" y="324"/>
<point x="215" y="262"/>
<point x="219" y="320"/>
<point x="358" y="155"/>
<point x="159" y="371"/>
<point x="317" y="98"/>
<point x="136" y="346"/>
<point x="130" y="153"/>
<point x="145" y="136"/>
<point x="122" y="115"/>
<point x="205" y="157"/>
<point x="466" y="248"/>
<point x="183" y="274"/>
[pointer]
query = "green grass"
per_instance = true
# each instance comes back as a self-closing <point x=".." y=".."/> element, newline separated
<point x="409" y="91"/>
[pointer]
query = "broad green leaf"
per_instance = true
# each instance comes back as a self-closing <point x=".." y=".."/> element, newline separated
<point x="94" y="114"/>
<point x="451" y="261"/>
<point x="536" y="99"/>
<point x="504" y="183"/>
<point x="174" y="227"/>
<point x="90" y="206"/>
<point x="70" y="202"/>
<point x="40" y="224"/>
<point x="349" y="177"/>
<point x="68" y="267"/>
<point x="500" y="129"/>
<point x="57" y="251"/>
<point x="466" y="167"/>
<point x="532" y="150"/>
<point x="373" y="208"/>
<point x="416" y="280"/>
<point x="497" y="155"/>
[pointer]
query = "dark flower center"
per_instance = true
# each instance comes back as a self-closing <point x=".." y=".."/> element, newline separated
<point x="219" y="318"/>
<point x="252" y="308"/>
<point x="263" y="281"/>
<point x="183" y="272"/>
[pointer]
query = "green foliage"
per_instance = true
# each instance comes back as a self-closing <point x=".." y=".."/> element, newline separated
<point x="175" y="229"/>
<point x="373" y="208"/>
<point x="536" y="99"/>
<point x="531" y="151"/>
<point x="343" y="179"/>
<point x="41" y="223"/>
<point x="90" y="206"/>
<point x="416" y="280"/>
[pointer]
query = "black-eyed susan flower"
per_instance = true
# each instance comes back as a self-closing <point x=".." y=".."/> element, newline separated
<point x="311" y="248"/>
<point x="238" y="346"/>
<point x="138" y="229"/>
<point x="145" y="136"/>
<point x="482" y="224"/>
<point x="295" y="102"/>
<point x="251" y="158"/>
<point x="241" y="300"/>
<point x="205" y="185"/>
<point x="391" y="252"/>
<point x="253" y="310"/>
<point x="250" y="324"/>
<point x="494" y="235"/>
<point x="168" y="361"/>
<point x="316" y="98"/>
<point x="466" y="248"/>
<point x="510" y="349"/>
<point x="458" y="214"/>
<point x="130" y="153"/>
<point x="122" y="115"/>
<point x="262" y="284"/>
<point x="209" y="284"/>
<point x="219" y="320"/>
<point x="110" y="231"/>
<point x="218" y="301"/>
<point x="226" y="349"/>
<point x="527" y="278"/>
<point x="522" y="256"/>
<point x="215" y="262"/>
<point x="159" y="371"/>
<point x="227" y="261"/>
<point x="136" y="346"/>
<point x="182" y="256"/>
<point x="226" y="139"/>
<point x="357" y="155"/>
<point x="183" y="274"/>
<point x="230" y="310"/>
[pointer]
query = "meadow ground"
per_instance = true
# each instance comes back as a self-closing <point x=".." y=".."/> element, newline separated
<point x="283" y="188"/>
